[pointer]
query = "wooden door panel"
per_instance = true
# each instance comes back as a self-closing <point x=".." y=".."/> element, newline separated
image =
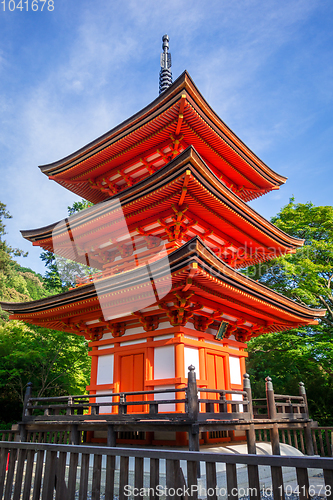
<point x="211" y="374"/>
<point x="219" y="368"/>
<point x="131" y="378"/>
<point x="215" y="375"/>
<point x="126" y="374"/>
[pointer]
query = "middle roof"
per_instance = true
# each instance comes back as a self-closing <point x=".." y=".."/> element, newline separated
<point x="181" y="200"/>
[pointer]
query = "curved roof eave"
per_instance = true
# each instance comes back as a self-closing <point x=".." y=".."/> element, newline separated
<point x="184" y="81"/>
<point x="178" y="259"/>
<point x="188" y="154"/>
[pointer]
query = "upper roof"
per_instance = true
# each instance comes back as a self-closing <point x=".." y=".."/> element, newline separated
<point x="140" y="145"/>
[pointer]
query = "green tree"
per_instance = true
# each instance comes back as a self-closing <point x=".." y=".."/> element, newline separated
<point x="3" y="215"/>
<point x="55" y="362"/>
<point x="15" y="282"/>
<point x="61" y="273"/>
<point x="306" y="276"/>
<point x="78" y="206"/>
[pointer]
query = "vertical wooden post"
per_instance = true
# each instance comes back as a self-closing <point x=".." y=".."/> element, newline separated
<point x="111" y="436"/>
<point x="22" y="433"/>
<point x="250" y="434"/>
<point x="307" y="428"/>
<point x="27" y="396"/>
<point x="277" y="478"/>
<point x="75" y="435"/>
<point x="22" y="429"/>
<point x="193" y="438"/>
<point x="192" y="395"/>
<point x="193" y="411"/>
<point x="271" y="409"/>
<point x="69" y="410"/>
<point x="248" y="390"/>
<point x="302" y="393"/>
<point x="274" y="432"/>
<point x="122" y="404"/>
<point x="253" y="472"/>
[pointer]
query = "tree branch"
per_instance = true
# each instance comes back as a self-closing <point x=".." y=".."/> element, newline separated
<point x="324" y="302"/>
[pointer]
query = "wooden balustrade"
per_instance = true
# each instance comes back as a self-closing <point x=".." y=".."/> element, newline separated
<point x="8" y="435"/>
<point x="222" y="406"/>
<point x="217" y="404"/>
<point x="199" y="403"/>
<point x="277" y="418"/>
<point x="322" y="438"/>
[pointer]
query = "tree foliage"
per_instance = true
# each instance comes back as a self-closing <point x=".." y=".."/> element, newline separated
<point x="61" y="273"/>
<point x="306" y="277"/>
<point x="56" y="363"/>
<point x="4" y="214"/>
<point x="78" y="206"/>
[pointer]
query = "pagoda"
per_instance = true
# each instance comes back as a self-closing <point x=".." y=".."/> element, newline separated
<point x="169" y="231"/>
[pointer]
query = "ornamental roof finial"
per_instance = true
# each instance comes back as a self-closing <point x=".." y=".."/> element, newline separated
<point x="165" y="79"/>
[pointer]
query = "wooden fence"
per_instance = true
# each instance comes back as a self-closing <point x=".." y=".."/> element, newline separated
<point x="66" y="472"/>
<point x="322" y="438"/>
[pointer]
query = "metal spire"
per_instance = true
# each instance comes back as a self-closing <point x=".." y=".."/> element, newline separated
<point x="165" y="79"/>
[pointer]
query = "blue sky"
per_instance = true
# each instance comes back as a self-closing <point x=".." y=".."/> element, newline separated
<point x="69" y="75"/>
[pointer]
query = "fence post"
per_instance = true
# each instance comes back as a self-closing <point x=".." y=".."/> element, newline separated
<point x="253" y="471"/>
<point x="27" y="396"/>
<point x="22" y="432"/>
<point x="122" y="405"/>
<point x="75" y="436"/>
<point x="192" y="411"/>
<point x="111" y="436"/>
<point x="302" y="393"/>
<point x="250" y="434"/>
<point x="307" y="428"/>
<point x="192" y="394"/>
<point x="22" y="429"/>
<point x="274" y="432"/>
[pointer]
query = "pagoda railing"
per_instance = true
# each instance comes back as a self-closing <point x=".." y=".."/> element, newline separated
<point x="189" y="403"/>
<point x="188" y="409"/>
<point x="182" y="404"/>
<point x="292" y="407"/>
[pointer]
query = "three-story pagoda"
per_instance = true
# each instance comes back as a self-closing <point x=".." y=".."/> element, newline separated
<point x="169" y="230"/>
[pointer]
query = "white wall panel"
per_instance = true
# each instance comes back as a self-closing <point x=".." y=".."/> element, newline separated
<point x="164" y="337"/>
<point x="170" y="395"/>
<point x="191" y="356"/>
<point x="105" y="369"/>
<point x="133" y="342"/>
<point x="238" y="397"/>
<point x="107" y="399"/>
<point x="235" y="370"/>
<point x="164" y="362"/>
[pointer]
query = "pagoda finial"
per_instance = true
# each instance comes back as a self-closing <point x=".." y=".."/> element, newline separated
<point x="165" y="79"/>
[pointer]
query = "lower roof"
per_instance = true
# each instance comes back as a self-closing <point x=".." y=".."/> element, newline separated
<point x="198" y="278"/>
